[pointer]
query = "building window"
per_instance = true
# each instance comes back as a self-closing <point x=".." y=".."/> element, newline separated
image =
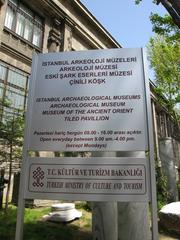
<point x="13" y="86"/>
<point x="24" y="22"/>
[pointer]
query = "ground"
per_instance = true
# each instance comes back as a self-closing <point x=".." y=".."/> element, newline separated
<point x="36" y="229"/>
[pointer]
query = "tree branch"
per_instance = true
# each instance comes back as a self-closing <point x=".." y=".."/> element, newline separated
<point x="176" y="5"/>
<point x="173" y="8"/>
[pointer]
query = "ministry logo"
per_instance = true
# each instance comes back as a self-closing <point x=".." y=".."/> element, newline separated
<point x="38" y="176"/>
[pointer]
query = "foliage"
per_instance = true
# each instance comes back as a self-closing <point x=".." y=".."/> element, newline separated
<point x="11" y="128"/>
<point x="161" y="185"/>
<point x="178" y="188"/>
<point x="164" y="59"/>
<point x="138" y="1"/>
<point x="11" y="139"/>
<point x="11" y="132"/>
<point x="172" y="7"/>
<point x="164" y="52"/>
<point x="165" y="26"/>
<point x="36" y="229"/>
<point x="8" y="221"/>
<point x="84" y="205"/>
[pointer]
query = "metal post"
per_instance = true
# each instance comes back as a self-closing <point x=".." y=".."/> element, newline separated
<point x="21" y="198"/>
<point x="151" y="153"/>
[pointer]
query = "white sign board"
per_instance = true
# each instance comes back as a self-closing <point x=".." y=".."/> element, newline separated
<point x="91" y="179"/>
<point x="96" y="100"/>
<point x="88" y="101"/>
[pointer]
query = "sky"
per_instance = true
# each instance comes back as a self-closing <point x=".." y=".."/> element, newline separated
<point x="128" y="23"/>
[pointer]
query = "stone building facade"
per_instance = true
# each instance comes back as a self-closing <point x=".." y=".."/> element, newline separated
<point x="38" y="26"/>
<point x="42" y="26"/>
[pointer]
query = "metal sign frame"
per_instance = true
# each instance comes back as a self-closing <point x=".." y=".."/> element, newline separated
<point x="151" y="151"/>
<point x="151" y="164"/>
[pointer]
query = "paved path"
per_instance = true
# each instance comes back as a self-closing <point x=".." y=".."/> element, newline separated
<point x="163" y="237"/>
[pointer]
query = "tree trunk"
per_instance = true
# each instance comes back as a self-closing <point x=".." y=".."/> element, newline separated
<point x="9" y="178"/>
<point x="122" y="221"/>
<point x="168" y="164"/>
<point x="104" y="214"/>
<point x="1" y="187"/>
<point x="104" y="221"/>
<point x="172" y="11"/>
<point x="133" y="221"/>
<point x="176" y="5"/>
